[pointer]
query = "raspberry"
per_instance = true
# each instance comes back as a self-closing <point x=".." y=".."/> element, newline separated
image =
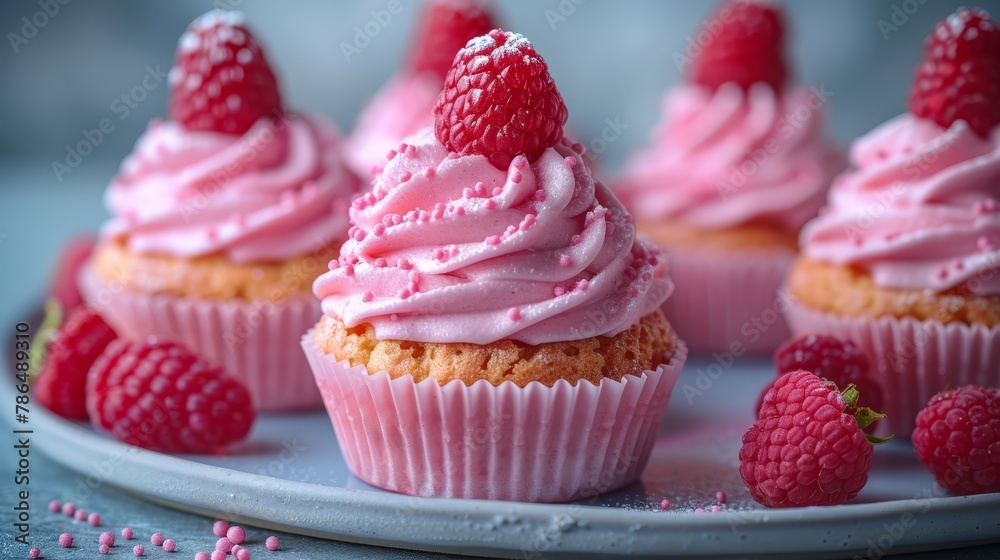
<point x="958" y="439"/>
<point x="71" y="259"/>
<point x="499" y="101"/>
<point x="160" y="396"/>
<point x="840" y="361"/>
<point x="808" y="447"/>
<point x="75" y="346"/>
<point x="747" y="46"/>
<point x="221" y="80"/>
<point x="445" y="27"/>
<point x="959" y="76"/>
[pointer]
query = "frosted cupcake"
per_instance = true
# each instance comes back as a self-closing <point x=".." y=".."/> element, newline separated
<point x="222" y="217"/>
<point x="404" y="104"/>
<point x="492" y="315"/>
<point x="738" y="164"/>
<point x="905" y="259"/>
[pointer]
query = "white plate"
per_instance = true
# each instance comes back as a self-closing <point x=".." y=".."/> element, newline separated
<point x="290" y="476"/>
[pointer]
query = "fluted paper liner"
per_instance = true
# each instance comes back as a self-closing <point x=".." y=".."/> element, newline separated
<point x="256" y="342"/>
<point x="912" y="359"/>
<point x="725" y="298"/>
<point x="533" y="444"/>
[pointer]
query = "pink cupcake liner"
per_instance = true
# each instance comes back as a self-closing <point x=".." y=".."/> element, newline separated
<point x="912" y="359"/>
<point x="254" y="341"/>
<point x="727" y="301"/>
<point x="531" y="444"/>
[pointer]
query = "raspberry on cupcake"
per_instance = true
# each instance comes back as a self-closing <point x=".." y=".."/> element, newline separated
<point x="905" y="259"/>
<point x="403" y="105"/>
<point x="737" y="165"/>
<point x="223" y="216"/>
<point x="488" y="270"/>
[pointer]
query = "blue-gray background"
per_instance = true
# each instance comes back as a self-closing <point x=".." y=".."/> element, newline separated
<point x="611" y="58"/>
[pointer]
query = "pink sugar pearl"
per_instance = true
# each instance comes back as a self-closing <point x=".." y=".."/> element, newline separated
<point x="720" y="496"/>
<point x="68" y="508"/>
<point x="665" y="504"/>
<point x="104" y="549"/>
<point x="65" y="540"/>
<point x="94" y="519"/>
<point x="107" y="538"/>
<point x="55" y="506"/>
<point x="169" y="545"/>
<point x="219" y="555"/>
<point x="202" y="556"/>
<point x="236" y="534"/>
<point x="138" y="550"/>
<point x="80" y="515"/>
<point x="242" y="554"/>
<point x="127" y="533"/>
<point x="35" y="552"/>
<point x="223" y="544"/>
<point x="220" y="528"/>
<point x="272" y="543"/>
<point x="156" y="539"/>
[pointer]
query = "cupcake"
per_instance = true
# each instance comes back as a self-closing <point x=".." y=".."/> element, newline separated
<point x="738" y="164"/>
<point x="404" y="104"/>
<point x="905" y="259"/>
<point x="492" y="327"/>
<point x="222" y="217"/>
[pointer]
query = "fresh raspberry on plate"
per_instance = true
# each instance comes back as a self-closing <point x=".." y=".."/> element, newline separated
<point x="840" y="361"/>
<point x="221" y="80"/>
<point x="958" y="439"/>
<point x="499" y="101"/>
<point x="959" y="76"/>
<point x="808" y="447"/>
<point x="71" y="259"/>
<point x="747" y="46"/>
<point x="445" y="27"/>
<point x="160" y="396"/>
<point x="75" y="346"/>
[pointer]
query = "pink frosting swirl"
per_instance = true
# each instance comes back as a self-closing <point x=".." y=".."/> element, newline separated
<point x="403" y="106"/>
<point x="452" y="249"/>
<point x="728" y="158"/>
<point x="277" y="192"/>
<point x="920" y="210"/>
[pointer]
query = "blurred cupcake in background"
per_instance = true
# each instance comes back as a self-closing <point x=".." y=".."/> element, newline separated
<point x="403" y="105"/>
<point x="737" y="165"/>
<point x="905" y="259"/>
<point x="222" y="217"/>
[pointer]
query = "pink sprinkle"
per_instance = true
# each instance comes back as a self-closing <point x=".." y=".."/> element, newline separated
<point x="156" y="539"/>
<point x="497" y="191"/>
<point x="559" y="290"/>
<point x="80" y="515"/>
<point x="983" y="243"/>
<point x="242" y="554"/>
<point x="381" y="263"/>
<point x="404" y="263"/>
<point x="394" y="317"/>
<point x="437" y="214"/>
<point x="378" y="230"/>
<point x="367" y="297"/>
<point x="665" y="504"/>
<point x="460" y="210"/>
<point x="942" y="273"/>
<point x="520" y="162"/>
<point x="576" y="240"/>
<point x="334" y="264"/>
<point x="65" y="540"/>
<point x="493" y="240"/>
<point x="490" y="204"/>
<point x="104" y="549"/>
<point x="219" y="555"/>
<point x="348" y="271"/>
<point x="406" y="176"/>
<point x="699" y="510"/>
<point x="402" y="147"/>
<point x="716" y="509"/>
<point x="272" y="543"/>
<point x="169" y="545"/>
<point x="236" y="534"/>
<point x="565" y="261"/>
<point x="431" y="172"/>
<point x="583" y="284"/>
<point x="107" y="538"/>
<point x="720" y="496"/>
<point x="423" y="216"/>
<point x="68" y="508"/>
<point x="439" y="254"/>
<point x="579" y="148"/>
<point x="514" y="314"/>
<point x="138" y="550"/>
<point x="390" y="154"/>
<point x="359" y="235"/>
<point x="223" y="544"/>
<point x="570" y="162"/>
<point x="467" y="193"/>
<point x="127" y="533"/>
<point x="220" y="528"/>
<point x="540" y="195"/>
<point x="35" y="552"/>
<point x="94" y="519"/>
<point x="411" y="152"/>
<point x="959" y="265"/>
<point x="515" y="178"/>
<point x="202" y="556"/>
<point x="480" y="189"/>
<point x="54" y="506"/>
